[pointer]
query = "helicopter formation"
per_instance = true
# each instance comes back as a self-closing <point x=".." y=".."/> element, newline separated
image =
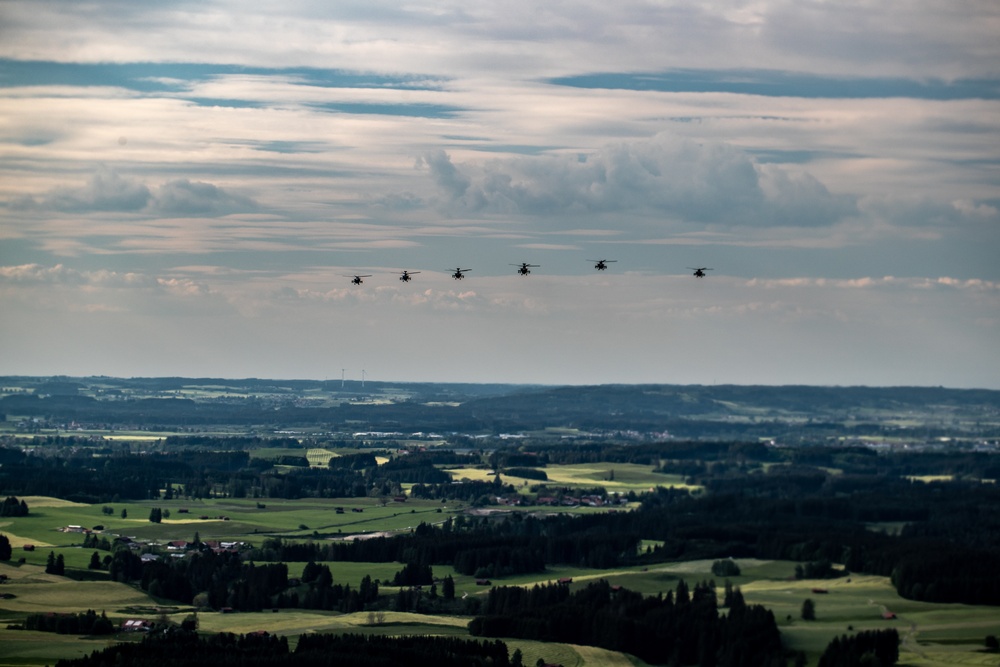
<point x="523" y="269"/>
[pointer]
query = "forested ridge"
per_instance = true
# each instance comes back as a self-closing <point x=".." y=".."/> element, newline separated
<point x="801" y="413"/>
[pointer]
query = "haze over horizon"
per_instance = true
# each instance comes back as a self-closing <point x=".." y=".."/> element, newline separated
<point x="186" y="189"/>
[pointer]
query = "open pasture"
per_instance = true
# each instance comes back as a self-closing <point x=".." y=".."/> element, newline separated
<point x="227" y="519"/>
<point x="21" y="648"/>
<point x="620" y="477"/>
<point x="245" y="521"/>
<point x="319" y="457"/>
<point x="931" y="634"/>
<point x="35" y="597"/>
<point x="294" y="622"/>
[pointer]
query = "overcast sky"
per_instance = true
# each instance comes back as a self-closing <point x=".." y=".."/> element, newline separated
<point x="187" y="187"/>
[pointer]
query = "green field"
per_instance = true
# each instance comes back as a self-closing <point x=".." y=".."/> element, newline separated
<point x="933" y="634"/>
<point x="614" y="477"/>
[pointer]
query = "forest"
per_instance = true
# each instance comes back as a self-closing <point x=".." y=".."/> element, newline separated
<point x="187" y="649"/>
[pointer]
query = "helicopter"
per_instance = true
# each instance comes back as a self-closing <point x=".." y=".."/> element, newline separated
<point x="700" y="272"/>
<point x="524" y="268"/>
<point x="601" y="264"/>
<point x="459" y="273"/>
<point x="358" y="279"/>
<point x="405" y="276"/>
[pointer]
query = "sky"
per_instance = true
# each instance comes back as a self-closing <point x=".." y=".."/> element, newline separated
<point x="188" y="187"/>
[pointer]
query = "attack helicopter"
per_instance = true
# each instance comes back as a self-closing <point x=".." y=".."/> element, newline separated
<point x="699" y="272"/>
<point x="601" y="264"/>
<point x="358" y="279"/>
<point x="459" y="273"/>
<point x="405" y="276"/>
<point x="525" y="268"/>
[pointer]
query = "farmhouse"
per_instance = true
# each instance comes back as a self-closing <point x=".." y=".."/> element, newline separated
<point x="136" y="625"/>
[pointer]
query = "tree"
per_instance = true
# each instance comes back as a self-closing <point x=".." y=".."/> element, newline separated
<point x="95" y="561"/>
<point x="190" y="623"/>
<point x="725" y="568"/>
<point x="155" y="515"/>
<point x="124" y="513"/>
<point x="5" y="549"/>
<point x="808" y="610"/>
<point x="448" y="588"/>
<point x="11" y="506"/>
<point x="517" y="659"/>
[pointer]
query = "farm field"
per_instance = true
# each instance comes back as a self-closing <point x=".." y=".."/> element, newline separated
<point x="615" y="477"/>
<point x="933" y="634"/>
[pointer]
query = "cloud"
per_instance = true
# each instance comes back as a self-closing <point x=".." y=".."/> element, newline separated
<point x="892" y="282"/>
<point x="445" y="174"/>
<point x="711" y="183"/>
<point x="32" y="275"/>
<point x="104" y="191"/>
<point x="189" y="198"/>
<point x="920" y="210"/>
<point x="108" y="191"/>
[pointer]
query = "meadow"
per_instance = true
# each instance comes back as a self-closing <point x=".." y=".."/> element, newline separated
<point x="933" y="634"/>
<point x="615" y="477"/>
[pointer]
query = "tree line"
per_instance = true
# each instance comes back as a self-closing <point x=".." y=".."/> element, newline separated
<point x="186" y="649"/>
<point x="682" y="628"/>
<point x="83" y="623"/>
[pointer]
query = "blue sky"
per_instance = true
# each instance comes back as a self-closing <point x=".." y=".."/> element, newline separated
<point x="186" y="189"/>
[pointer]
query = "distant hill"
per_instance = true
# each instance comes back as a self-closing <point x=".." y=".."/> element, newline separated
<point x="686" y="411"/>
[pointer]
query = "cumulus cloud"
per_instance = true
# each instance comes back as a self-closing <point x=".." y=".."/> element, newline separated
<point x="911" y="283"/>
<point x="694" y="182"/>
<point x="35" y="274"/>
<point x="28" y="275"/>
<point x="445" y="174"/>
<point x="108" y="191"/>
<point x="184" y="198"/>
